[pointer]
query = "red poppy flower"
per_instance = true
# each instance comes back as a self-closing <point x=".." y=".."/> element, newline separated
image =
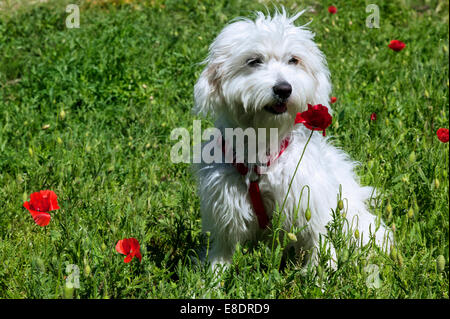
<point x="129" y="247"/>
<point x="40" y="204"/>
<point x="373" y="117"/>
<point x="333" y="99"/>
<point x="316" y="118"/>
<point x="396" y="45"/>
<point x="332" y="9"/>
<point x="442" y="135"/>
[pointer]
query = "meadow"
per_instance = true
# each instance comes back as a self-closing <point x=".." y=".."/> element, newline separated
<point x="87" y="112"/>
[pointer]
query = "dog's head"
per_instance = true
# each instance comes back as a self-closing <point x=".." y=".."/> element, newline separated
<point x="261" y="73"/>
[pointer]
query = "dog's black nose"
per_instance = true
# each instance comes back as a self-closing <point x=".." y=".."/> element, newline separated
<point x="283" y="90"/>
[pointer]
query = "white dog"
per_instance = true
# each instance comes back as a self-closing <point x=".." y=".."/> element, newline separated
<point x="260" y="74"/>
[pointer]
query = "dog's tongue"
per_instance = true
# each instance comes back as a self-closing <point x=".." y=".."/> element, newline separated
<point x="280" y="108"/>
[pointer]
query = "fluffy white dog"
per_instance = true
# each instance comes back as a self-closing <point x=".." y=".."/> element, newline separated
<point x="259" y="74"/>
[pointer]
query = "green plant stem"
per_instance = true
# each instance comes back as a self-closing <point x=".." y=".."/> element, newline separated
<point x="295" y="172"/>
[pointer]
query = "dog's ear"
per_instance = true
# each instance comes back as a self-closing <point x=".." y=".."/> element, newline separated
<point x="206" y="91"/>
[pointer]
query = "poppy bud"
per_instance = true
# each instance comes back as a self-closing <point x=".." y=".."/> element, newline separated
<point x="400" y="259"/>
<point x="62" y="114"/>
<point x="45" y="127"/>
<point x="411" y="213"/>
<point x="393" y="227"/>
<point x="30" y="151"/>
<point x="308" y="214"/>
<point x="292" y="237"/>
<point x="356" y="234"/>
<point x="436" y="183"/>
<point x="344" y="255"/>
<point x="319" y="271"/>
<point x="412" y="157"/>
<point x="59" y="140"/>
<point x="341" y="204"/>
<point x="68" y="292"/>
<point x="394" y="254"/>
<point x="87" y="270"/>
<point x="389" y="208"/>
<point x="103" y="246"/>
<point x="440" y="263"/>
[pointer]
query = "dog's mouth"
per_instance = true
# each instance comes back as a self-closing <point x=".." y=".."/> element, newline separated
<point x="278" y="108"/>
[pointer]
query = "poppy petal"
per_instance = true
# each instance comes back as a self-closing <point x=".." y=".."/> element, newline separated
<point x="396" y="45"/>
<point x="135" y="248"/>
<point x="128" y="258"/>
<point x="316" y="118"/>
<point x="43" y="201"/>
<point x="51" y="198"/>
<point x="133" y="243"/>
<point x="443" y="135"/>
<point x="37" y="202"/>
<point x="129" y="247"/>
<point x="42" y="219"/>
<point x="332" y="9"/>
<point x="123" y="247"/>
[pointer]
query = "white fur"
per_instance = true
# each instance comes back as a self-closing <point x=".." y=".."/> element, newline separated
<point x="236" y="94"/>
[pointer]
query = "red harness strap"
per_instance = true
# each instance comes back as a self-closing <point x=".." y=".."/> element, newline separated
<point x="253" y="190"/>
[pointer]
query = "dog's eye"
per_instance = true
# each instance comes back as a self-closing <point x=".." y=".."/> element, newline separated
<point x="294" y="60"/>
<point x="254" y="62"/>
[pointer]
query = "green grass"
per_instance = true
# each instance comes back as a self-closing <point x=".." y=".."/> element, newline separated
<point x="113" y="90"/>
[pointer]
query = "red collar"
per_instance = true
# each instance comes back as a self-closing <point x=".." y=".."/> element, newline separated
<point x="253" y="190"/>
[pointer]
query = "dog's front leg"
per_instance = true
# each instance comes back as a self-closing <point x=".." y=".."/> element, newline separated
<point x="227" y="216"/>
